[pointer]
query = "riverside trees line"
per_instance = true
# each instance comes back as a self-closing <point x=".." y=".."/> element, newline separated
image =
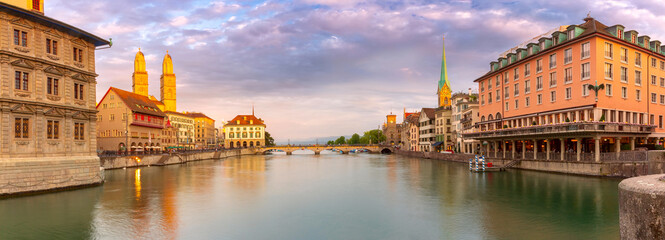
<point x="369" y="137"/>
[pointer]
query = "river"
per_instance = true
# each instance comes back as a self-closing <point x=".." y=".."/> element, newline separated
<point x="329" y="196"/>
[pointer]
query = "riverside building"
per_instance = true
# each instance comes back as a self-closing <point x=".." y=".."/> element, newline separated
<point x="48" y="101"/>
<point x="391" y="129"/>
<point x="535" y="102"/>
<point x="245" y="131"/>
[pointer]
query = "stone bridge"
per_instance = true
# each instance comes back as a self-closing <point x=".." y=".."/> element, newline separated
<point x="344" y="149"/>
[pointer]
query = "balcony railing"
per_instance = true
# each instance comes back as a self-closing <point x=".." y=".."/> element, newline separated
<point x="557" y="129"/>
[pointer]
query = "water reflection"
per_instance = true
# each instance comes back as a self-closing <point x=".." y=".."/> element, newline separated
<point x="357" y="196"/>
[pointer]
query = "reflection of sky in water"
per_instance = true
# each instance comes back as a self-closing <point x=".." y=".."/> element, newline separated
<point x="357" y="196"/>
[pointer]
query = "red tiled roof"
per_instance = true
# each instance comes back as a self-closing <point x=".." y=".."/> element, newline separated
<point x="245" y="120"/>
<point x="137" y="103"/>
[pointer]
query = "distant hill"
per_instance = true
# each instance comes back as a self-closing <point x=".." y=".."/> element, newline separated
<point x="321" y="140"/>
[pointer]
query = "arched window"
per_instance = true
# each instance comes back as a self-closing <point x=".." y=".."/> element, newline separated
<point x="482" y="119"/>
<point x="490" y="117"/>
<point x="498" y="116"/>
<point x="258" y="144"/>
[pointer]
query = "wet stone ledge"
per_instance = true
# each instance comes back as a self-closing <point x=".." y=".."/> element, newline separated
<point x="642" y="207"/>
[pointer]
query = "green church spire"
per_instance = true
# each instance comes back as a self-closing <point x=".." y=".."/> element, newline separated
<point x="444" y="70"/>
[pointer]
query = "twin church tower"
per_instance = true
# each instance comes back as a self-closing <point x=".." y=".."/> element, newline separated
<point x="167" y="82"/>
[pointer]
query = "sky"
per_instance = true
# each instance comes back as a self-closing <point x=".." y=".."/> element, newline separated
<point x="320" y="68"/>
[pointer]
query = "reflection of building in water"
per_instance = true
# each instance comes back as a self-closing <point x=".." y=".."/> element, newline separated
<point x="140" y="213"/>
<point x="246" y="174"/>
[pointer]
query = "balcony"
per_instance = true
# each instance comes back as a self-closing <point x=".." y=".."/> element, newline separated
<point x="556" y="130"/>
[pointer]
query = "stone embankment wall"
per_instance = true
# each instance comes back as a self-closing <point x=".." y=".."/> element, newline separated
<point x="642" y="207"/>
<point x="167" y="159"/>
<point x="655" y="164"/>
<point x="22" y="176"/>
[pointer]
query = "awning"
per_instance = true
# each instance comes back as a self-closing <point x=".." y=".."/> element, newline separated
<point x="437" y="144"/>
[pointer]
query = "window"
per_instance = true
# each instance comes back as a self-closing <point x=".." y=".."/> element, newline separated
<point x="552" y="61"/>
<point x="507" y="106"/>
<point x="571" y="34"/>
<point x="638" y="78"/>
<point x="527" y="86"/>
<point x="52" y="86"/>
<point x="21" y="127"/>
<point x="482" y="102"/>
<point x="624" y="92"/>
<point x="608" y="50"/>
<point x="568" y="75"/>
<point x="489" y="84"/>
<point x="624" y="55"/>
<point x="654" y="97"/>
<point x="638" y="95"/>
<point x="527" y="102"/>
<point x="539" y="83"/>
<point x="489" y="97"/>
<point x="553" y="96"/>
<point x="585" y="90"/>
<point x="638" y="59"/>
<point x="111" y="117"/>
<point x="539" y="99"/>
<point x="51" y="46"/>
<point x="654" y="63"/>
<point x="20" y="38"/>
<point x="608" y="89"/>
<point x="662" y="82"/>
<point x="662" y="65"/>
<point x="505" y="77"/>
<point x="569" y="93"/>
<point x="506" y="90"/>
<point x="653" y="80"/>
<point x="553" y="79"/>
<point x="498" y="95"/>
<point x="517" y="103"/>
<point x="52" y="129"/>
<point x="586" y="71"/>
<point x="516" y="74"/>
<point x="539" y="65"/>
<point x="527" y="69"/>
<point x="21" y="80"/>
<point x="497" y="81"/>
<point x="660" y="121"/>
<point x="586" y="50"/>
<point x="568" y="56"/>
<point x="35" y="5"/>
<point x="79" y="131"/>
<point x="482" y="86"/>
<point x="624" y="74"/>
<point x="78" y="55"/>
<point x="517" y="89"/>
<point x="662" y="99"/>
<point x="608" y="71"/>
<point x="78" y="91"/>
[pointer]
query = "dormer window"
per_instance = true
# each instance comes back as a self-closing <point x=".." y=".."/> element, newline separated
<point x="542" y="46"/>
<point x="632" y="38"/>
<point x="571" y="34"/>
<point x="555" y="40"/>
<point x="620" y="33"/>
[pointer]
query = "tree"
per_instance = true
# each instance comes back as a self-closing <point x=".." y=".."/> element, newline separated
<point x="331" y="142"/>
<point x="355" y="139"/>
<point x="341" y="140"/>
<point x="374" y="136"/>
<point x="269" y="140"/>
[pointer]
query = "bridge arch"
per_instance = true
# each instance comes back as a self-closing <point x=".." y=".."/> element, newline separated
<point x="386" y="151"/>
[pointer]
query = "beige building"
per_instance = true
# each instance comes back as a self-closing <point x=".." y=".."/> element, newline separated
<point x="426" y="129"/>
<point x="443" y="129"/>
<point x="205" y="130"/>
<point x="414" y="132"/>
<point x="185" y="128"/>
<point x="465" y="116"/>
<point x="245" y="131"/>
<point x="48" y="100"/>
<point x="128" y="121"/>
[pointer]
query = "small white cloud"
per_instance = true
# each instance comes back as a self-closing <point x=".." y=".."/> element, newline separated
<point x="179" y="21"/>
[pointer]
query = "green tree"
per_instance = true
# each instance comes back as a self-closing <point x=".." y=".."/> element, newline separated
<point x="269" y="140"/>
<point x="341" y="140"/>
<point x="331" y="142"/>
<point x="355" y="139"/>
<point x="374" y="136"/>
<point x="364" y="140"/>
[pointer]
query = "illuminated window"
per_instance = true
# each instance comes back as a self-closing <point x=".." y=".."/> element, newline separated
<point x="36" y="5"/>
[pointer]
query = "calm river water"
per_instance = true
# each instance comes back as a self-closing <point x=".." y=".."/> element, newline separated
<point x="356" y="196"/>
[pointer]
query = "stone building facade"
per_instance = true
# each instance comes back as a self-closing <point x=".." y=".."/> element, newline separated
<point x="47" y="101"/>
<point x="185" y="128"/>
<point x="205" y="130"/>
<point x="391" y="129"/>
